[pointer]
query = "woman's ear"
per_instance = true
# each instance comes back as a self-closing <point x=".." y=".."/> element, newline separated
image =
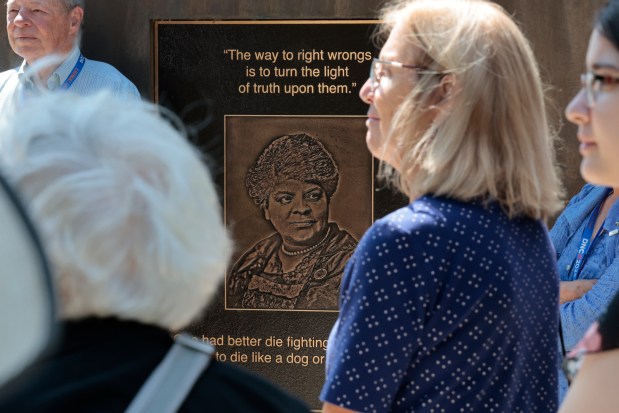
<point x="267" y="214"/>
<point x="446" y="89"/>
<point x="444" y="94"/>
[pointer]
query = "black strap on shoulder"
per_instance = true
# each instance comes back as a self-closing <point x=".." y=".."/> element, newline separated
<point x="167" y="387"/>
<point x="563" y="351"/>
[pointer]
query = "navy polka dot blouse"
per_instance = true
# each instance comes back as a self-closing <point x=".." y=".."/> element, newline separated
<point x="447" y="306"/>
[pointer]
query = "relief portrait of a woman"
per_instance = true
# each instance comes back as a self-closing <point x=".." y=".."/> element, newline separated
<point x="300" y="265"/>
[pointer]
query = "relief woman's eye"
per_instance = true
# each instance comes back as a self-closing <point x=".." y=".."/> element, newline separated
<point x="314" y="196"/>
<point x="284" y="199"/>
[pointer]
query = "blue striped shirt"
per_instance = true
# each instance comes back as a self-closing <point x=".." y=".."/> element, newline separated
<point x="602" y="264"/>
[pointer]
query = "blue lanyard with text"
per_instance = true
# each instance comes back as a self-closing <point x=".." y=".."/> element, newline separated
<point x="585" y="241"/>
<point x="74" y="73"/>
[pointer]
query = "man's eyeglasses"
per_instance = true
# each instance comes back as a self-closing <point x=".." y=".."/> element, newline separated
<point x="592" y="83"/>
<point x="377" y="70"/>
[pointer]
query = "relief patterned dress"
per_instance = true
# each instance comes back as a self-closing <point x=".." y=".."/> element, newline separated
<point x="258" y="281"/>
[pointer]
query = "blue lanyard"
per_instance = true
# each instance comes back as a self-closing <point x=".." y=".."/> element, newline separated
<point x="585" y="241"/>
<point x="74" y="73"/>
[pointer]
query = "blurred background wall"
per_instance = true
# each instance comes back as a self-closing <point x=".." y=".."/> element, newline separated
<point x="120" y="32"/>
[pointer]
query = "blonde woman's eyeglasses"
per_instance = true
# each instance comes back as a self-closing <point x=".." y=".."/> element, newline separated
<point x="377" y="70"/>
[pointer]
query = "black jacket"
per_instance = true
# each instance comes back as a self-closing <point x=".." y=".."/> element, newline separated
<point x="101" y="364"/>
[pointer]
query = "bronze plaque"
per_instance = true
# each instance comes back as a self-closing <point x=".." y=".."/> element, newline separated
<point x="274" y="105"/>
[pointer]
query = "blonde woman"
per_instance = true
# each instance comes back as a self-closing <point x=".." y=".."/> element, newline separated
<point x="450" y="303"/>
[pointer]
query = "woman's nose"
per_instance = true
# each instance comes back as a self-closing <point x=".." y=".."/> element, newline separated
<point x="300" y="206"/>
<point x="366" y="93"/>
<point x="578" y="110"/>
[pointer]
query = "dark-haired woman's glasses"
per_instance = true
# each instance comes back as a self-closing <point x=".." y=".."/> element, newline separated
<point x="380" y="67"/>
<point x="593" y="82"/>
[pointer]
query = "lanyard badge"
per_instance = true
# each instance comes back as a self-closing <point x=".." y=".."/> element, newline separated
<point x="74" y="73"/>
<point x="587" y="237"/>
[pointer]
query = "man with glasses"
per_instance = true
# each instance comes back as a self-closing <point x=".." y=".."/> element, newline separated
<point x="46" y="34"/>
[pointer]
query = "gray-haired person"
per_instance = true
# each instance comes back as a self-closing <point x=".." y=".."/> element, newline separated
<point x="132" y="223"/>
<point x="299" y="266"/>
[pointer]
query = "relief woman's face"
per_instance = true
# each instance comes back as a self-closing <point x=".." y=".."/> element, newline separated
<point x="299" y="211"/>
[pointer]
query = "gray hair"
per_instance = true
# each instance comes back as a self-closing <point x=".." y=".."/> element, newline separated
<point x="125" y="206"/>
<point x="70" y="4"/>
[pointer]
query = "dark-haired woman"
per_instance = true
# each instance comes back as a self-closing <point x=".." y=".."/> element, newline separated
<point x="595" y="111"/>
